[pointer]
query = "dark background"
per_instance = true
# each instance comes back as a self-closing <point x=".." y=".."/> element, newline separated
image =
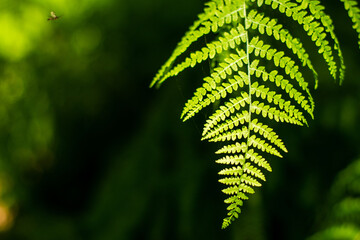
<point x="88" y="151"/>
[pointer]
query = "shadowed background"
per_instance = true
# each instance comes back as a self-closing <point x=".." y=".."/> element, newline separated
<point x="88" y="151"/>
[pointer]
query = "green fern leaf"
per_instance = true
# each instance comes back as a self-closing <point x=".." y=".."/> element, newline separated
<point x="249" y="181"/>
<point x="268" y="133"/>
<point x="253" y="171"/>
<point x="214" y="92"/>
<point x="231" y="171"/>
<point x="270" y="27"/>
<point x="234" y="121"/>
<point x="262" y="145"/>
<point x="233" y="148"/>
<point x="317" y="30"/>
<point x="258" y="160"/>
<point x="232" y="160"/>
<point x="272" y="113"/>
<point x="257" y="76"/>
<point x="354" y="13"/>
<point x="226" y="110"/>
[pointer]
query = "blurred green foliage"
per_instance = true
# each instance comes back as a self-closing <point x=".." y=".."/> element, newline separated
<point x="339" y="217"/>
<point x="88" y="151"/>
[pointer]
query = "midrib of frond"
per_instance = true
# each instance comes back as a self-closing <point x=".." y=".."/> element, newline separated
<point x="249" y="81"/>
<point x="248" y="140"/>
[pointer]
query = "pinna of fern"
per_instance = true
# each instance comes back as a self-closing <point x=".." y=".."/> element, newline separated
<point x="257" y="78"/>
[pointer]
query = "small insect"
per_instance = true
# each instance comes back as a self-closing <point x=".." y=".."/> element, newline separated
<point x="53" y="16"/>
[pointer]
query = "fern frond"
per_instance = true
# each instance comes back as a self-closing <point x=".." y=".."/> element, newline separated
<point x="230" y="39"/>
<point x="269" y="26"/>
<point x="214" y="92"/>
<point x="280" y="60"/>
<point x="216" y="14"/>
<point x="276" y="99"/>
<point x="317" y="10"/>
<point x="354" y="13"/>
<point x="317" y="30"/>
<point x="273" y="113"/>
<point x="280" y="81"/>
<point x="245" y="93"/>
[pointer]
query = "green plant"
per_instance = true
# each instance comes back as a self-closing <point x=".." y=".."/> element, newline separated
<point x="342" y="213"/>
<point x="252" y="82"/>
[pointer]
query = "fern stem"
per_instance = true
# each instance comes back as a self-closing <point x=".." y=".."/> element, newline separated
<point x="249" y="81"/>
<point x="241" y="187"/>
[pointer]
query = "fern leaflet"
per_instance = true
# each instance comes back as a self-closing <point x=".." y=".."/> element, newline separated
<point x="354" y="13"/>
